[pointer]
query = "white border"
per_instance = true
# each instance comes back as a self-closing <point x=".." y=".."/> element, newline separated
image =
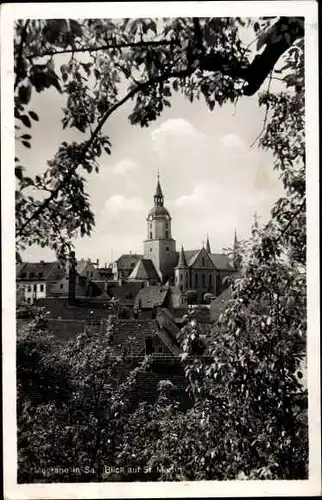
<point x="166" y="489"/>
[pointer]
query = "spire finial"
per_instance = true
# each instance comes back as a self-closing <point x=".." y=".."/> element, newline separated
<point x="208" y="244"/>
<point x="158" y="175"/>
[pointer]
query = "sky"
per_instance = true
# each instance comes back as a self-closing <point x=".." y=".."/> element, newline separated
<point x="212" y="179"/>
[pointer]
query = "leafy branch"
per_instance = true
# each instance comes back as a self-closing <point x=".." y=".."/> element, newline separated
<point x="74" y="50"/>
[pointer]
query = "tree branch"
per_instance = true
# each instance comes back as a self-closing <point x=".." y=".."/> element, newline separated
<point x="104" y="47"/>
<point x="19" y="58"/>
<point x="109" y="112"/>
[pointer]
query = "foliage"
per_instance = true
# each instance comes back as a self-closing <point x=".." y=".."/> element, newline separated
<point x="88" y="62"/>
<point x="248" y="417"/>
<point x="73" y="400"/>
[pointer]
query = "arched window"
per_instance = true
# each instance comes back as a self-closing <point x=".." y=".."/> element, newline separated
<point x="167" y="234"/>
<point x="180" y="276"/>
<point x="150" y="235"/>
<point x="203" y="281"/>
<point x="203" y="262"/>
<point x="196" y="279"/>
<point x="210" y="279"/>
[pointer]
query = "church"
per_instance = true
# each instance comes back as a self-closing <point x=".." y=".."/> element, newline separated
<point x="198" y="270"/>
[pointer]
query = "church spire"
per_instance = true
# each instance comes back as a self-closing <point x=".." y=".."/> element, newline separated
<point x="158" y="196"/>
<point x="182" y="259"/>
<point x="208" y="244"/>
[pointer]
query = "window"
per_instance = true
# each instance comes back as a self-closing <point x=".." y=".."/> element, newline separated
<point x="167" y="235"/>
<point x="31" y="275"/>
<point x="196" y="279"/>
<point x="160" y="349"/>
<point x="180" y="276"/>
<point x="210" y="279"/>
<point x="61" y="285"/>
<point x="167" y="249"/>
<point x="41" y="275"/>
<point x="148" y="345"/>
<point x="24" y="275"/>
<point x="29" y="300"/>
<point x="29" y="289"/>
<point x="35" y="287"/>
<point x="91" y="274"/>
<point x="150" y="235"/>
<point x="41" y="288"/>
<point x="203" y="262"/>
<point x="203" y="280"/>
<point x="150" y="250"/>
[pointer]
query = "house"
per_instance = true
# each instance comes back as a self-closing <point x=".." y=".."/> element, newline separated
<point x="35" y="280"/>
<point x="124" y="265"/>
<point x="86" y="272"/>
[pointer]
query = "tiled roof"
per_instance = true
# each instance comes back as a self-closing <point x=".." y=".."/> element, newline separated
<point x="127" y="292"/>
<point x="81" y="265"/>
<point x="40" y="271"/>
<point x="144" y="270"/>
<point x="129" y="335"/>
<point x="125" y="261"/>
<point x="150" y="296"/>
<point x="221" y="262"/>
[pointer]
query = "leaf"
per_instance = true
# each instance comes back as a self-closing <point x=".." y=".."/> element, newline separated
<point x="76" y="28"/>
<point x="18" y="173"/>
<point x="24" y="93"/>
<point x="25" y="120"/>
<point x="26" y="136"/>
<point x="34" y="116"/>
<point x="26" y="144"/>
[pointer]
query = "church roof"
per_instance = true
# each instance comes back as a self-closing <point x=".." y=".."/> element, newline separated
<point x="221" y="262"/>
<point x="144" y="270"/>
<point x="158" y="191"/>
<point x="157" y="210"/>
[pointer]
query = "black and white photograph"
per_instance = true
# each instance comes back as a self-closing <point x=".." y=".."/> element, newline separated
<point x="161" y="237"/>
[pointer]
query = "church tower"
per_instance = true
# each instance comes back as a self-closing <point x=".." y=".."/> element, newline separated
<point x="159" y="246"/>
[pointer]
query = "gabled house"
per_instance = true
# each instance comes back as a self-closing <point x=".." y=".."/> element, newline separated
<point x="34" y="280"/>
<point x="124" y="265"/>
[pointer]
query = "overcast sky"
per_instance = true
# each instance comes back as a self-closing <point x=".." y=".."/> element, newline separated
<point x="212" y="180"/>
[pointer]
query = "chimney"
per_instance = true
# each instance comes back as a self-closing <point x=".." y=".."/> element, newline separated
<point x="72" y="279"/>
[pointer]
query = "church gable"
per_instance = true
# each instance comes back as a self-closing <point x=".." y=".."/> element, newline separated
<point x="201" y="260"/>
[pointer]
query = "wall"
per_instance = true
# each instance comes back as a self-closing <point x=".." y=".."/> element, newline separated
<point x="163" y="259"/>
<point x="33" y="290"/>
